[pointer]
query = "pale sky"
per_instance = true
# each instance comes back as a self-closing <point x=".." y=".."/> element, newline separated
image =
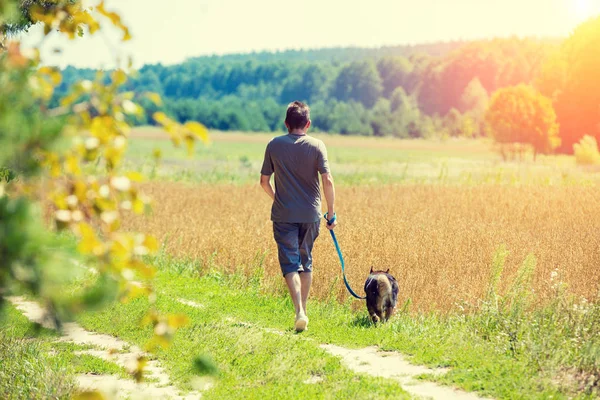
<point x="171" y="31"/>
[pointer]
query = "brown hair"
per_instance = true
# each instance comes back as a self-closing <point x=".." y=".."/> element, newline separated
<point x="297" y="116"/>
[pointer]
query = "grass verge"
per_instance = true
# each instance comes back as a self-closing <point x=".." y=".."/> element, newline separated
<point x="34" y="366"/>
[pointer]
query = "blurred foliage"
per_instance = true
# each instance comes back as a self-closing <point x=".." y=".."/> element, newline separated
<point x="7" y="175"/>
<point x="67" y="155"/>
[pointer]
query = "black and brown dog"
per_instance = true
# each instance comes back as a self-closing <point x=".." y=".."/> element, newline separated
<point x="382" y="295"/>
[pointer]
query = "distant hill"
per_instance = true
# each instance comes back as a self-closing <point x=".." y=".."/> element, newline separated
<point x="339" y="54"/>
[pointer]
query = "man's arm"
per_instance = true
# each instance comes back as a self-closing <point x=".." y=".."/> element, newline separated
<point x="265" y="183"/>
<point x="329" y="191"/>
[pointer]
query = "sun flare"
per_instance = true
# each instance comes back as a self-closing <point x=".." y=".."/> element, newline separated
<point x="583" y="8"/>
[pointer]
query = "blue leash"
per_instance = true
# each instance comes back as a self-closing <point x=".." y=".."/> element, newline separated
<point x="339" y="251"/>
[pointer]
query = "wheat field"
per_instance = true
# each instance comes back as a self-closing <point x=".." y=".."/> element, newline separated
<point x="437" y="240"/>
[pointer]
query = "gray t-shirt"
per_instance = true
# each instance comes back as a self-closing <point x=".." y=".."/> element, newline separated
<point x="296" y="161"/>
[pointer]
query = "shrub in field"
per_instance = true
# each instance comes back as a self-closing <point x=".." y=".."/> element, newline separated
<point x="586" y="151"/>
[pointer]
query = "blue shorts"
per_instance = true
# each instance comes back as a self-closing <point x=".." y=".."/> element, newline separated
<point x="294" y="245"/>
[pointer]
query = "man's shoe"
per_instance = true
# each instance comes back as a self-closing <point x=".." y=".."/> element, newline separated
<point x="301" y="323"/>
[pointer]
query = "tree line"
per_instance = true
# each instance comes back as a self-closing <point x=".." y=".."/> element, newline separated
<point x="418" y="92"/>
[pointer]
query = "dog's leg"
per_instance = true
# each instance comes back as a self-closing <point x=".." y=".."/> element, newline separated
<point x="389" y="311"/>
<point x="372" y="313"/>
<point x="379" y="308"/>
<point x="388" y="308"/>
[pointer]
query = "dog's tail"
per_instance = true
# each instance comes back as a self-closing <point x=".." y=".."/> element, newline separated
<point x="383" y="284"/>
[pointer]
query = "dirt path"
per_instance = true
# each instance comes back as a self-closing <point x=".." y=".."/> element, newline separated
<point x="393" y="366"/>
<point x="160" y="386"/>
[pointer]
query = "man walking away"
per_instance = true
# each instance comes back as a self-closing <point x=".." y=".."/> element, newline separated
<point x="297" y="160"/>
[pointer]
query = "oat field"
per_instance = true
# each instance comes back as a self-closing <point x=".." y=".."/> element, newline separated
<point x="437" y="237"/>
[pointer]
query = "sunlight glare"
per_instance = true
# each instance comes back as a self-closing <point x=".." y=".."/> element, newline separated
<point x="583" y="9"/>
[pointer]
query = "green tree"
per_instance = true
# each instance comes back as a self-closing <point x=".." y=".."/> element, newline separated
<point x="453" y="123"/>
<point x="405" y="112"/>
<point x="358" y="81"/>
<point x="475" y="98"/>
<point x="522" y="115"/>
<point x="394" y="72"/>
<point x="349" y="118"/>
<point x="381" y="118"/>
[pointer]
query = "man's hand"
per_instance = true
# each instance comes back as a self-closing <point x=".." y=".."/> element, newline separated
<point x="329" y="191"/>
<point x="331" y="226"/>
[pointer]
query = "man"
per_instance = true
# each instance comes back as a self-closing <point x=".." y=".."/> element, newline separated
<point x="297" y="160"/>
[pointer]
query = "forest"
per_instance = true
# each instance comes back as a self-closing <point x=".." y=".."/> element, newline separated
<point x="435" y="90"/>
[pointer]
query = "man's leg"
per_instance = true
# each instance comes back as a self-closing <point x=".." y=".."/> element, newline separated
<point x="295" y="286"/>
<point x="307" y="235"/>
<point x="306" y="281"/>
<point x="286" y="236"/>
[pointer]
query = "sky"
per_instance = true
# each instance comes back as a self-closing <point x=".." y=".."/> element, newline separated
<point x="171" y="31"/>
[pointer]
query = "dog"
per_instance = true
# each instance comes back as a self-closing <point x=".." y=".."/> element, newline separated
<point x="382" y="295"/>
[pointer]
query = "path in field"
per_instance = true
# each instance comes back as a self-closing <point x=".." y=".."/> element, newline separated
<point x="126" y="356"/>
<point x="392" y="365"/>
<point x="385" y="364"/>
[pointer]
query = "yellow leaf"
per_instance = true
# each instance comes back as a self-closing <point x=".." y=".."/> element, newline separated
<point x="138" y="206"/>
<point x="80" y="190"/>
<point x="135" y="291"/>
<point x="121" y="248"/>
<point x="135" y="176"/>
<point x="160" y="117"/>
<point x="119" y="77"/>
<point x="72" y="165"/>
<point x="60" y="201"/>
<point x="147" y="271"/>
<point x="150" y="243"/>
<point x="52" y="73"/>
<point x="126" y="34"/>
<point x="177" y="321"/>
<point x="189" y="143"/>
<point x="197" y="129"/>
<point x="89" y="243"/>
<point x="70" y="99"/>
<point x="157" y="154"/>
<point x="155" y="98"/>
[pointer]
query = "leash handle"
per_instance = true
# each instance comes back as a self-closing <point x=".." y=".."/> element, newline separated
<point x="341" y="257"/>
<point x="332" y="220"/>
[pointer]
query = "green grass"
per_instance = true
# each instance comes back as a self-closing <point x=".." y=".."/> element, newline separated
<point x="497" y="352"/>
<point x="357" y="161"/>
<point x="252" y="363"/>
<point x="34" y="366"/>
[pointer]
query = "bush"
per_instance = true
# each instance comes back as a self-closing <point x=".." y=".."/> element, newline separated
<point x="586" y="151"/>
